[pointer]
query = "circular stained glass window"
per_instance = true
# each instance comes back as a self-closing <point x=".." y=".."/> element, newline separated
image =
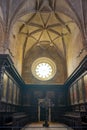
<point x="43" y="68"/>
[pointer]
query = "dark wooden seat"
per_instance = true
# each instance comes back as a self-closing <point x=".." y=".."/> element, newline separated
<point x="84" y="122"/>
<point x="73" y="119"/>
<point x="14" y="121"/>
<point x="19" y="115"/>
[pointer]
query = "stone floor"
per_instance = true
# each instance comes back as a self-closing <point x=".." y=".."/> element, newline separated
<point x="52" y="126"/>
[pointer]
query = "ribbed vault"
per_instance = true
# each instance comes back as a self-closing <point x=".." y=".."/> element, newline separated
<point x="43" y="28"/>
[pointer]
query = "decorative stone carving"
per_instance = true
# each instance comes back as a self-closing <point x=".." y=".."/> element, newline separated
<point x="46" y="5"/>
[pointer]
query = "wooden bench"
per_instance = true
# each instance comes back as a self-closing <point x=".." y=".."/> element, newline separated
<point x="15" y="121"/>
<point x="84" y="122"/>
<point x="73" y="119"/>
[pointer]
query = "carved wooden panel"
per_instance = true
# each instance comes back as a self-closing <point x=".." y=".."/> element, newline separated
<point x="4" y="87"/>
<point x="75" y="93"/>
<point x="71" y="95"/>
<point x="80" y="88"/>
<point x="14" y="95"/>
<point x="85" y="84"/>
<point x="10" y="91"/>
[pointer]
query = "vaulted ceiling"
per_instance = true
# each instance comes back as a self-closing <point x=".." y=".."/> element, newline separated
<point x="43" y="28"/>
